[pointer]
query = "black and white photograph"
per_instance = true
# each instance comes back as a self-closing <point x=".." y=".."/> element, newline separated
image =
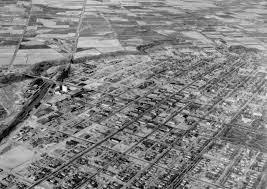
<point x="133" y="94"/>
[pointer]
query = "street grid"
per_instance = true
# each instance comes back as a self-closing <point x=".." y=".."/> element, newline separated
<point x="208" y="87"/>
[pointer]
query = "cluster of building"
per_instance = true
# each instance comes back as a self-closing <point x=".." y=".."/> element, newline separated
<point x="11" y="181"/>
<point x="164" y="126"/>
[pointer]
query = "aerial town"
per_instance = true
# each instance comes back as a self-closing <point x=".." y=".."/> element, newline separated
<point x="133" y="94"/>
